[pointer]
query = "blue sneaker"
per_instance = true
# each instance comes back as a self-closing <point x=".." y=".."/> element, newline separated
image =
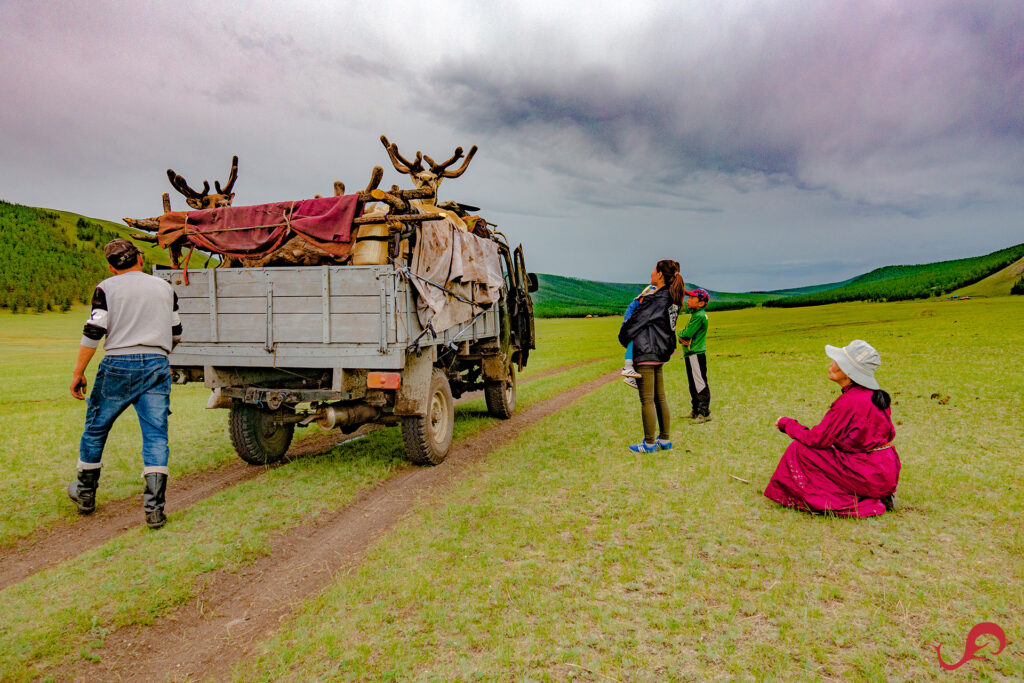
<point x="663" y="444"/>
<point x="644" y="447"/>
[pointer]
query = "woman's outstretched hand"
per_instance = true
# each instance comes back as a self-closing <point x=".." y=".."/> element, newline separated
<point x="778" y="424"/>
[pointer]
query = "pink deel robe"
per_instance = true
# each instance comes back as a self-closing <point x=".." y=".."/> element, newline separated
<point x="834" y="466"/>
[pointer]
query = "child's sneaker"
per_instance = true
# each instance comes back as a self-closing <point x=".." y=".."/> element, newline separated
<point x="630" y="382"/>
<point x="644" y="447"/>
<point x="628" y="371"/>
<point x="663" y="444"/>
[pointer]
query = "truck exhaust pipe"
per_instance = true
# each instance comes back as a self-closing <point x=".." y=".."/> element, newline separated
<point x="346" y="417"/>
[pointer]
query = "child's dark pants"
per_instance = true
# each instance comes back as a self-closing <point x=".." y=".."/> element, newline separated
<point x="697" y="377"/>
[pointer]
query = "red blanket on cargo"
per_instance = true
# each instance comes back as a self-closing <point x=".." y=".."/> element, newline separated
<point x="260" y="229"/>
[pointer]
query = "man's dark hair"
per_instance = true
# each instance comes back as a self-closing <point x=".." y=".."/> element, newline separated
<point x="121" y="254"/>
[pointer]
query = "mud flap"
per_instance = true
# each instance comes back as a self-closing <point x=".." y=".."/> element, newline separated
<point x="411" y="397"/>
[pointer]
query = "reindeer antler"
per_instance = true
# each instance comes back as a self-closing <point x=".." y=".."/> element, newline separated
<point x="231" y="178"/>
<point x="440" y="169"/>
<point x="375" y="177"/>
<point x="181" y="185"/>
<point x="204" y="200"/>
<point x="402" y="165"/>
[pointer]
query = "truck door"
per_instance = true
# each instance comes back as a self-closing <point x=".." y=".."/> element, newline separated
<point x="524" y="309"/>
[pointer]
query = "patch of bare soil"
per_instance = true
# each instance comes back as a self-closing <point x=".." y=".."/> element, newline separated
<point x="52" y="545"/>
<point x="236" y="610"/>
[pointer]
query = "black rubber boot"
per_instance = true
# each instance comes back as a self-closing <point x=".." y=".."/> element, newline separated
<point x="82" y="491"/>
<point x="889" y="502"/>
<point x="153" y="500"/>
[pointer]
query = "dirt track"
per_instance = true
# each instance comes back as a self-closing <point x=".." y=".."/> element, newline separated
<point x="50" y="546"/>
<point x="206" y="637"/>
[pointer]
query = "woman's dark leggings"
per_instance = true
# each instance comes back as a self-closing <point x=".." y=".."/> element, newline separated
<point x="653" y="405"/>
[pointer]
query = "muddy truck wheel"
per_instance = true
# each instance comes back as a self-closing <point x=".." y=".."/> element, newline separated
<point x="257" y="439"/>
<point x="501" y="396"/>
<point x="428" y="437"/>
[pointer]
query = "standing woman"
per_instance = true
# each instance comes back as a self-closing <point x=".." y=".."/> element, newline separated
<point x="651" y="329"/>
<point x="847" y="464"/>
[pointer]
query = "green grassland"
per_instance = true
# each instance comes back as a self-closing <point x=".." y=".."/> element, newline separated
<point x="63" y="613"/>
<point x="563" y="556"/>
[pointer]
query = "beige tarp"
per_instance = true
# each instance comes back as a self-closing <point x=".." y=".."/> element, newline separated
<point x="462" y="263"/>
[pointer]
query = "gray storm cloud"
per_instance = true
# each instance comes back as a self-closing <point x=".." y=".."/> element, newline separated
<point x="757" y="133"/>
<point x="876" y="103"/>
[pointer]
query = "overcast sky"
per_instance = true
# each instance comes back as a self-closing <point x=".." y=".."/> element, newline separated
<point x="761" y="144"/>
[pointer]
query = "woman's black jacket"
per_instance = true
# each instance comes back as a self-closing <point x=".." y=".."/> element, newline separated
<point x="650" y="329"/>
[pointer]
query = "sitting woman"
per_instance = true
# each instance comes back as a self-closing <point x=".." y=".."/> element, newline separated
<point x="847" y="464"/>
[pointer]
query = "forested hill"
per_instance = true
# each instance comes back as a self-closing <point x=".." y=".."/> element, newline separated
<point x="562" y="296"/>
<point x="899" y="283"/>
<point x="566" y="297"/>
<point x="50" y="260"/>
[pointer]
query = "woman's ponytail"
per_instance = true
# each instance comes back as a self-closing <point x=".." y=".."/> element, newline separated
<point x="677" y="290"/>
<point x="669" y="270"/>
<point x="881" y="399"/>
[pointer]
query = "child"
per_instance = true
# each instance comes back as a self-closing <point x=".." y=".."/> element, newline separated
<point x="629" y="373"/>
<point x="692" y="338"/>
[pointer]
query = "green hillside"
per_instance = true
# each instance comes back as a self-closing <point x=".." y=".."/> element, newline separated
<point x="989" y="275"/>
<point x="567" y="297"/>
<point x="999" y="283"/>
<point x="900" y="283"/>
<point x="50" y="260"/>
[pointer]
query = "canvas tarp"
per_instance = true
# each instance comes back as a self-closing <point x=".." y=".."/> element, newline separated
<point x="464" y="264"/>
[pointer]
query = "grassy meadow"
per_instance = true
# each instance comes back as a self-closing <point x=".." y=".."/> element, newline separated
<point x="563" y="556"/>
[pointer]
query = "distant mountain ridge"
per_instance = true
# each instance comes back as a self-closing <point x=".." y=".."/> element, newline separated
<point x="52" y="259"/>
<point x="991" y="274"/>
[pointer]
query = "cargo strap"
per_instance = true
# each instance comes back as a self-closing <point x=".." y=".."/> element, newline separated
<point x="404" y="270"/>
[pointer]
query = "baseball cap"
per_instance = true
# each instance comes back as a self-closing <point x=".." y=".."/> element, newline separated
<point x="121" y="253"/>
<point x="701" y="294"/>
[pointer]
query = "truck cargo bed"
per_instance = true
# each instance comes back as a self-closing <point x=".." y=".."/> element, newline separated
<point x="308" y="317"/>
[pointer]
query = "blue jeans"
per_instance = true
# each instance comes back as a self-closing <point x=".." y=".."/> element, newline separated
<point x="629" y="351"/>
<point x="142" y="380"/>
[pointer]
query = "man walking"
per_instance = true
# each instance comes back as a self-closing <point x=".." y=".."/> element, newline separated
<point x="138" y="313"/>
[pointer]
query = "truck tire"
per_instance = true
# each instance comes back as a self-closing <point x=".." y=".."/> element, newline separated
<point x="428" y="437"/>
<point x="255" y="436"/>
<point x="501" y="396"/>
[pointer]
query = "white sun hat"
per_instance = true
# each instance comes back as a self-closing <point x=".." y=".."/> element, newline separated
<point x="858" y="360"/>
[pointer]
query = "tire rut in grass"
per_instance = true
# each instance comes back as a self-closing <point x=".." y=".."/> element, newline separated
<point x="206" y="637"/>
<point x="64" y="540"/>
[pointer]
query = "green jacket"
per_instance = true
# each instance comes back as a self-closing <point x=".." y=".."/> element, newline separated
<point x="696" y="331"/>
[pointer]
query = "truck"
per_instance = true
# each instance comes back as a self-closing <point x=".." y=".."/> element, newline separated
<point x="341" y="346"/>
